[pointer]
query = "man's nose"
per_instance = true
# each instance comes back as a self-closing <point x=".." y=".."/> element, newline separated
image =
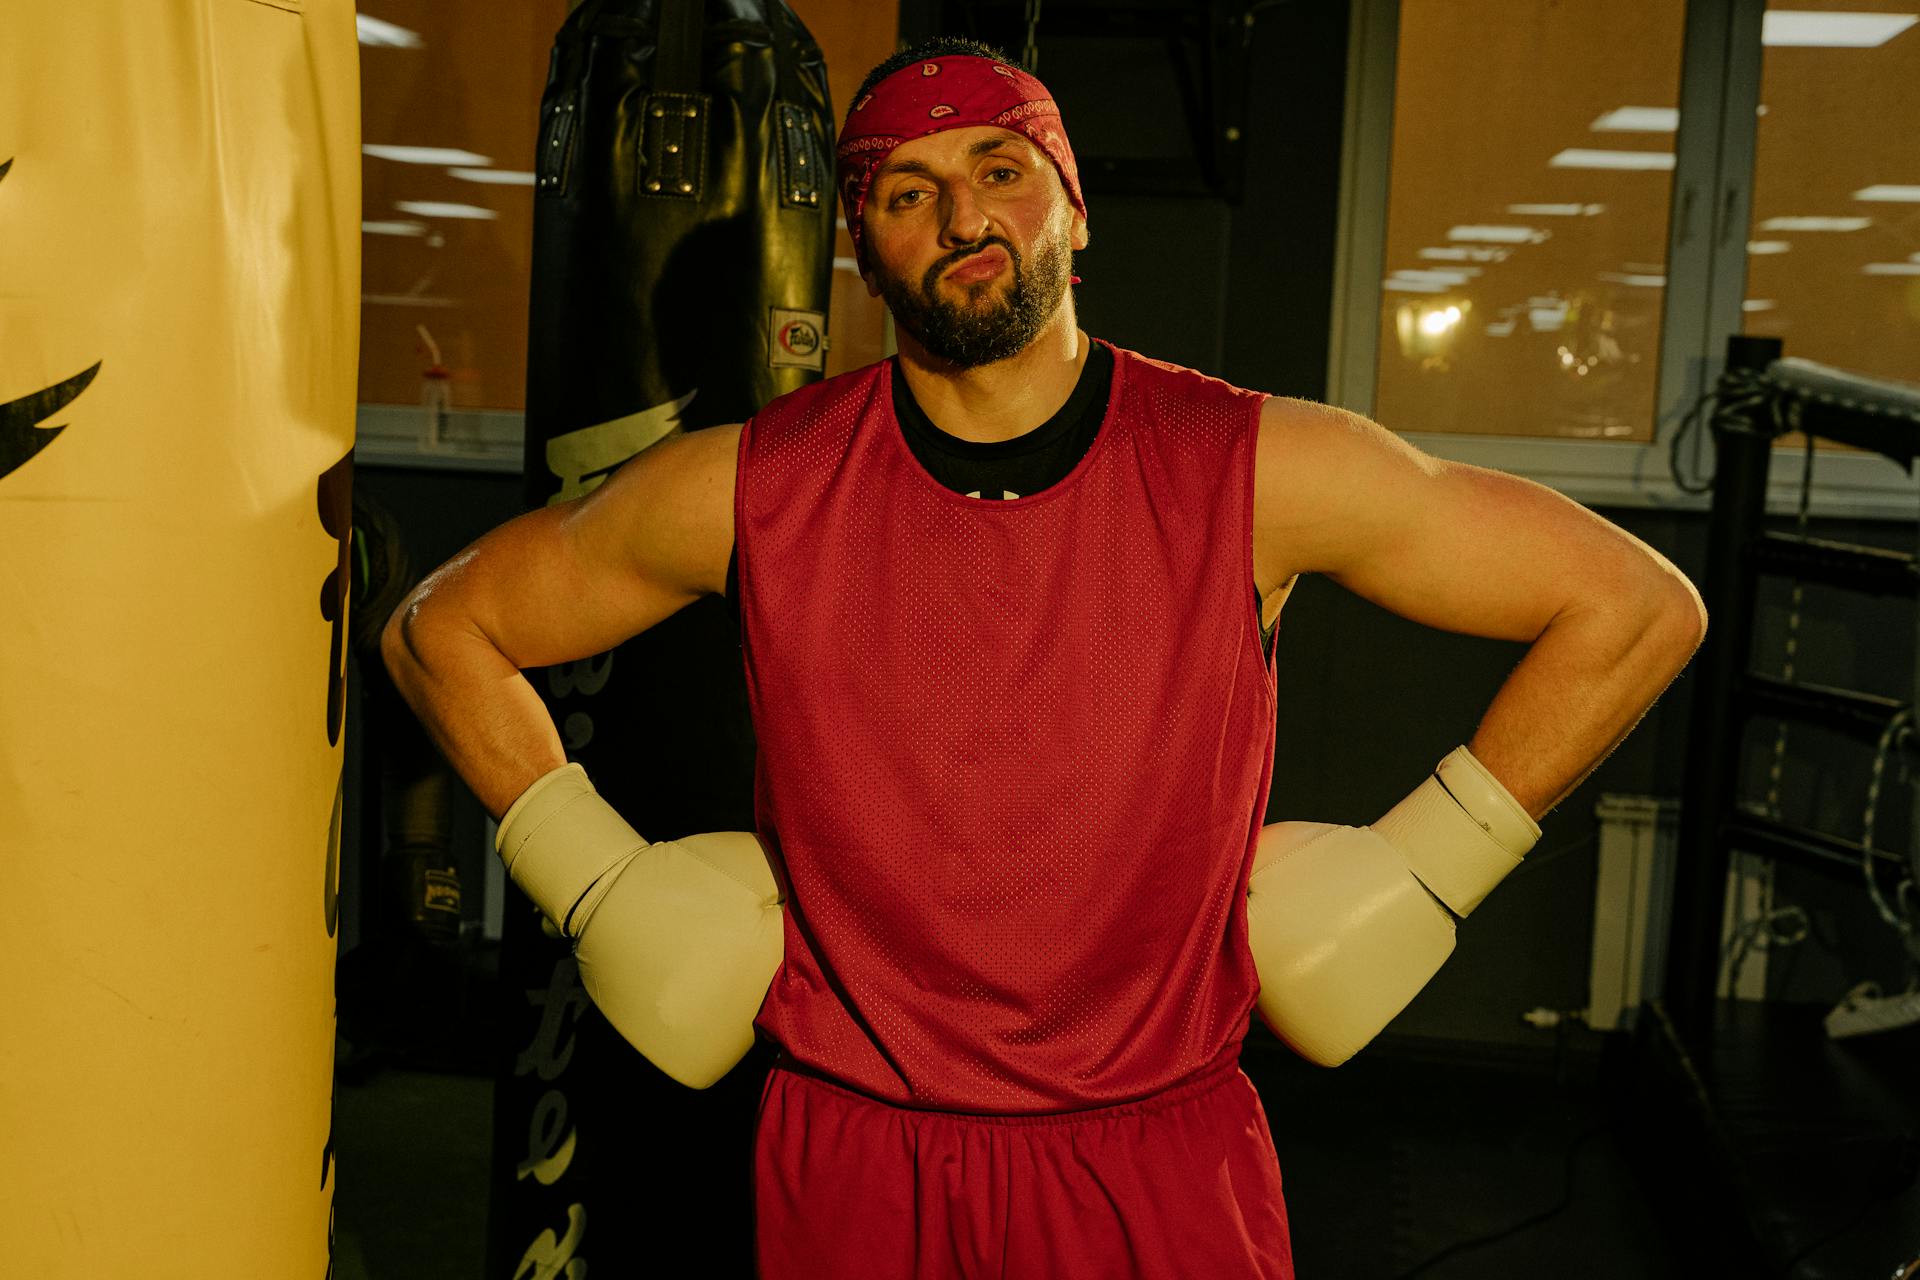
<point x="966" y="218"/>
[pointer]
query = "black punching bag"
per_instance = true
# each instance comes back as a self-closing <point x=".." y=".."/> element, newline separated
<point x="683" y="249"/>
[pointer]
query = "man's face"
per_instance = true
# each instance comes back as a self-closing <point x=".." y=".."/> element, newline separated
<point x="969" y="238"/>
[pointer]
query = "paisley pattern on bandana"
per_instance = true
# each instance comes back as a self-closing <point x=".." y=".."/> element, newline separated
<point x="946" y="93"/>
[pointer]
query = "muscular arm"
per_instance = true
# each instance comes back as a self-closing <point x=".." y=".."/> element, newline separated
<point x="1609" y="621"/>
<point x="554" y="585"/>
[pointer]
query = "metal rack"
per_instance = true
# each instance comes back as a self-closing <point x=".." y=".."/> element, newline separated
<point x="1760" y="398"/>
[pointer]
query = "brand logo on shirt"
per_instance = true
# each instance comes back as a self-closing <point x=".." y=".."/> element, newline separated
<point x="797" y="340"/>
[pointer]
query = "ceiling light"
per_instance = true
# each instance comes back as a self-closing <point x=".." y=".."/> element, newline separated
<point x="441" y="209"/>
<point x="1758" y="304"/>
<point x="1800" y="27"/>
<point x="1757" y="247"/>
<point x="501" y="177"/>
<point x="1587" y="158"/>
<point x="1460" y="276"/>
<point x="1395" y="284"/>
<point x="1888" y="191"/>
<point x="394" y="228"/>
<point x="1638" y="120"/>
<point x="385" y="35"/>
<point x="1634" y="278"/>
<point x="1498" y="235"/>
<point x="1556" y="210"/>
<point x="1499" y="328"/>
<point x="423" y="155"/>
<point x="1462" y="253"/>
<point x="1815" y="224"/>
<point x="1891" y="269"/>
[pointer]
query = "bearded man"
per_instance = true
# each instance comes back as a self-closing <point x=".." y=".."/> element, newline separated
<point x="1007" y="606"/>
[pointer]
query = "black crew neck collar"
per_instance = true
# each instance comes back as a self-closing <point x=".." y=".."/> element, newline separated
<point x="1089" y="395"/>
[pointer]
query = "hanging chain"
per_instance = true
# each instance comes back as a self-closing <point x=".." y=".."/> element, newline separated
<point x="1030" y="52"/>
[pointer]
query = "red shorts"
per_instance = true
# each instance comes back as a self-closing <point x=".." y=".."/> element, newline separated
<point x="1182" y="1184"/>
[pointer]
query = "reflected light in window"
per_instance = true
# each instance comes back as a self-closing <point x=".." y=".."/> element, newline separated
<point x="1456" y="275"/>
<point x="1395" y="284"/>
<point x="385" y="35"/>
<point x="1758" y="304"/>
<point x="1462" y="253"/>
<point x="1790" y="27"/>
<point x="499" y="177"/>
<point x="1888" y="191"/>
<point x="1557" y="210"/>
<point x="394" y="228"/>
<point x="1816" y="224"/>
<point x="1435" y="323"/>
<point x="422" y="155"/>
<point x="1587" y="158"/>
<point x="1638" y="120"/>
<point x="442" y="209"/>
<point x="1634" y="279"/>
<point x="1499" y="235"/>
<point x="1892" y="269"/>
<point x="1767" y="246"/>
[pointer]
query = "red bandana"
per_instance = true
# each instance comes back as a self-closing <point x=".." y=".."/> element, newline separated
<point x="946" y="93"/>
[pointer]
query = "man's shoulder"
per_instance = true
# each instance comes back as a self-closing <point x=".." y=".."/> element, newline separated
<point x="1163" y="377"/>
<point x="809" y="402"/>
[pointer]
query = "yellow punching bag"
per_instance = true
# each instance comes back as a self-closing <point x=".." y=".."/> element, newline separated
<point x="179" y="314"/>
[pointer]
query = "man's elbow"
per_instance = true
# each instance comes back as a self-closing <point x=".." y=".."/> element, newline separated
<point x="396" y="641"/>
<point x="1680" y="616"/>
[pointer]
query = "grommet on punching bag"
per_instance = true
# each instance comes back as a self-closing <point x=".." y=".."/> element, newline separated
<point x="682" y="262"/>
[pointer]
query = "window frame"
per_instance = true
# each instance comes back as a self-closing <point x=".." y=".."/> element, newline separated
<point x="1708" y="220"/>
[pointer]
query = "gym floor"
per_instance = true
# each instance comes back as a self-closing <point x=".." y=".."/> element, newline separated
<point x="1392" y="1161"/>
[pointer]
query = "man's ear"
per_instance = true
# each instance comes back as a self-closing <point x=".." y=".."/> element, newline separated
<point x="1080" y="234"/>
<point x="866" y="278"/>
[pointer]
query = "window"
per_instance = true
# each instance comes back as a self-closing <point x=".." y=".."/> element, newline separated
<point x="1833" y="265"/>
<point x="1532" y="161"/>
<point x="1455" y="108"/>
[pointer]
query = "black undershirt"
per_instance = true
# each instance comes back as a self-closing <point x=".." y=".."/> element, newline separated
<point x="999" y="469"/>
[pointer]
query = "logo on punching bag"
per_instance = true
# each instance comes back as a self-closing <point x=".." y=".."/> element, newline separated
<point x="21" y="435"/>
<point x="798" y="340"/>
<point x="336" y="517"/>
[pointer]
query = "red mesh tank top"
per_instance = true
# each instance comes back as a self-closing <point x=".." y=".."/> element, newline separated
<point x="1014" y="755"/>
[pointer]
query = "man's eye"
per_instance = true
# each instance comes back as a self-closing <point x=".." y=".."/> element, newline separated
<point x="1004" y="174"/>
<point x="908" y="198"/>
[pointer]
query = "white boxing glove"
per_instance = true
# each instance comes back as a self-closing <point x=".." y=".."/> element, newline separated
<point x="677" y="942"/>
<point x="1347" y="924"/>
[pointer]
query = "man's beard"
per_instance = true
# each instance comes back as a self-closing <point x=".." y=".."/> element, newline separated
<point x="972" y="334"/>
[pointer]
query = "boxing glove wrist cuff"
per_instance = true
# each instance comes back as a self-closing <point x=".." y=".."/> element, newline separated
<point x="560" y="838"/>
<point x="1460" y="831"/>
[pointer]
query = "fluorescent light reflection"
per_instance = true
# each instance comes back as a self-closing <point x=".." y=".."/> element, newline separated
<point x="1759" y="247"/>
<point x="1498" y="234"/>
<point x="1556" y="210"/>
<point x="423" y="155"/>
<point x="1786" y="28"/>
<point x="1888" y="191"/>
<point x="1638" y="120"/>
<point x="1816" y="224"/>
<point x="1634" y="279"/>
<point x="385" y="35"/>
<point x="394" y="228"/>
<point x="1758" y="304"/>
<point x="1464" y="253"/>
<point x="1587" y="158"/>
<point x="498" y="177"/>
<point x="442" y="209"/>
<point x="1891" y="269"/>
